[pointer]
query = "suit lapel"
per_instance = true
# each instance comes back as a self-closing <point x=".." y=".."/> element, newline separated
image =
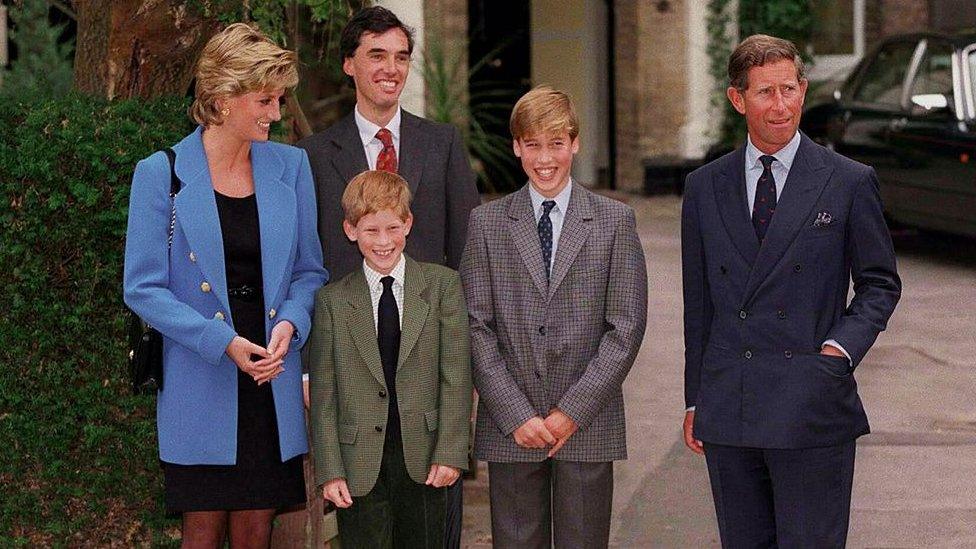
<point x="276" y="215"/>
<point x="196" y="209"/>
<point x="525" y="234"/>
<point x="415" y="309"/>
<point x="413" y="150"/>
<point x="808" y="176"/>
<point x="730" y="195"/>
<point x="362" y="327"/>
<point x="575" y="230"/>
<point x="351" y="159"/>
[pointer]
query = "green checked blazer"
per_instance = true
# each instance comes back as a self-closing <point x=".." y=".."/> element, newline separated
<point x="433" y="380"/>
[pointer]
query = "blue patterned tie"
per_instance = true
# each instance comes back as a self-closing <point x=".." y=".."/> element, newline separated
<point x="764" y="206"/>
<point x="545" y="233"/>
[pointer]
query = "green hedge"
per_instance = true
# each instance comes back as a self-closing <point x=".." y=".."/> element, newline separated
<point x="78" y="454"/>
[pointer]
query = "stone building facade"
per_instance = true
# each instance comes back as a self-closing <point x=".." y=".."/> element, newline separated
<point x="638" y="70"/>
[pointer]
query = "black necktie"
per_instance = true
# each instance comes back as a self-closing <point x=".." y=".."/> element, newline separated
<point x="545" y="233"/>
<point x="388" y="336"/>
<point x="764" y="205"/>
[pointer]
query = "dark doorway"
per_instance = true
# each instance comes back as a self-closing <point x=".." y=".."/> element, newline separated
<point x="499" y="58"/>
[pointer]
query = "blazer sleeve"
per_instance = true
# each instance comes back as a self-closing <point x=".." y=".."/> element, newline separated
<point x="497" y="390"/>
<point x="322" y="397"/>
<point x="698" y="307"/>
<point x="462" y="197"/>
<point x="877" y="286"/>
<point x="145" y="281"/>
<point x="308" y="274"/>
<point x="454" y="422"/>
<point x="625" y="317"/>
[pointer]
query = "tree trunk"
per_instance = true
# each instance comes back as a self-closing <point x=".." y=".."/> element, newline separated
<point x="138" y="48"/>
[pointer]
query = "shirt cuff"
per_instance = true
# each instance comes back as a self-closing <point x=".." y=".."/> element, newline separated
<point x="690" y="409"/>
<point x="833" y="343"/>
<point x="305" y="377"/>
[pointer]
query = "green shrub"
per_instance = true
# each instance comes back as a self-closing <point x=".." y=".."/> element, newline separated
<point x="78" y="454"/>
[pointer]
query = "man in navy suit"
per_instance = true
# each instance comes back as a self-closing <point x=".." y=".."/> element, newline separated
<point x="772" y="235"/>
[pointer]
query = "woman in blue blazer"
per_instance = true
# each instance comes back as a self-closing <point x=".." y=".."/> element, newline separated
<point x="232" y="295"/>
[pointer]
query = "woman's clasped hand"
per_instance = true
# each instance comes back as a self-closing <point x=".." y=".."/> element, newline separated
<point x="262" y="364"/>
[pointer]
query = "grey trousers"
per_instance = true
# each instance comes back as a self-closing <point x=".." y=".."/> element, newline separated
<point x="551" y="503"/>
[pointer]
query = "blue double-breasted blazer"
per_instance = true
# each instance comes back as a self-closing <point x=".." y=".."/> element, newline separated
<point x="183" y="293"/>
<point x="756" y="315"/>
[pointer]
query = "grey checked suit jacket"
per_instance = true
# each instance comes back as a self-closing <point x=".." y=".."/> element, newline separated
<point x="434" y="162"/>
<point x="567" y="343"/>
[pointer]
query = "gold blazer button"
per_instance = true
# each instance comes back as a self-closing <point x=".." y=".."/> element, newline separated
<point x="272" y="313"/>
<point x="219" y="315"/>
<point x="204" y="287"/>
<point x="193" y="257"/>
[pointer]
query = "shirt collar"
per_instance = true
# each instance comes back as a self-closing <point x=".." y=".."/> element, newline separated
<point x="367" y="130"/>
<point x="562" y="199"/>
<point x="784" y="156"/>
<point x="373" y="277"/>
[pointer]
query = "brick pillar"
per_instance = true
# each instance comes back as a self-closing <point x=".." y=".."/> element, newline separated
<point x="629" y="174"/>
<point x="663" y="77"/>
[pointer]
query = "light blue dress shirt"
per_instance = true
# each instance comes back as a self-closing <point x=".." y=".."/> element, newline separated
<point x="780" y="167"/>
<point x="557" y="214"/>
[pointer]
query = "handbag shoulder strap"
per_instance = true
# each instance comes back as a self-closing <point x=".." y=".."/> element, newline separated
<point x="174" y="187"/>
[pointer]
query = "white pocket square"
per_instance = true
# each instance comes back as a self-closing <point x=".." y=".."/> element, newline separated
<point x="823" y="219"/>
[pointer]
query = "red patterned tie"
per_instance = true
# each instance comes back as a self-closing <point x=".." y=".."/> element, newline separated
<point x="387" y="160"/>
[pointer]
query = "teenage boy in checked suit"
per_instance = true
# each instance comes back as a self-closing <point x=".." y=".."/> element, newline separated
<point x="556" y="286"/>
<point x="390" y="379"/>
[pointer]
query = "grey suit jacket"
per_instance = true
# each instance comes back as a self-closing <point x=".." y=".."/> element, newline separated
<point x="434" y="162"/>
<point x="566" y="343"/>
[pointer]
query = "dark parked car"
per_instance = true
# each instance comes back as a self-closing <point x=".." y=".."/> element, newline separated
<point x="908" y="110"/>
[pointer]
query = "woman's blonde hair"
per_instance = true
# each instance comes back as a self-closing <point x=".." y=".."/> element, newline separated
<point x="238" y="60"/>
<point x="374" y="191"/>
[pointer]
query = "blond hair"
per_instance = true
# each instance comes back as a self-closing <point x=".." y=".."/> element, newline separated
<point x="756" y="51"/>
<point x="238" y="60"/>
<point x="373" y="191"/>
<point x="543" y="110"/>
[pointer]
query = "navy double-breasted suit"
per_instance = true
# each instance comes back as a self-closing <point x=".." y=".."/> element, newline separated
<point x="756" y="316"/>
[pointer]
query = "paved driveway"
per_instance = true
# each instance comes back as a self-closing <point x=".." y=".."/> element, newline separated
<point x="915" y="479"/>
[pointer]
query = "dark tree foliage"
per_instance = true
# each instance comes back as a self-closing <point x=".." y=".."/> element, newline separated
<point x="78" y="456"/>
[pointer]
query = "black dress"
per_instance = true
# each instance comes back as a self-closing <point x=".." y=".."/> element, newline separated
<point x="259" y="479"/>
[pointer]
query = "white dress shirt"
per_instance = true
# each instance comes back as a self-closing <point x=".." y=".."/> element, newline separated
<point x="556" y="215"/>
<point x="371" y="144"/>
<point x="374" y="281"/>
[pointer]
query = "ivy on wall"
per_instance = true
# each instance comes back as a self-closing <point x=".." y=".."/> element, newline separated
<point x="789" y="19"/>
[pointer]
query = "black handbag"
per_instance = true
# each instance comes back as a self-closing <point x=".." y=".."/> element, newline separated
<point x="145" y="342"/>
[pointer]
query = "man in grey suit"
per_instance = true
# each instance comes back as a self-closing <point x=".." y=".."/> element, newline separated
<point x="556" y="288"/>
<point x="772" y="236"/>
<point x="376" y="48"/>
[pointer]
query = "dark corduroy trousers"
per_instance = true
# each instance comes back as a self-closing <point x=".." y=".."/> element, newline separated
<point x="397" y="513"/>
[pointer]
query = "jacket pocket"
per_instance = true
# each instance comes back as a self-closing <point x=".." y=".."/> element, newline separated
<point x="347" y="433"/>
<point x="431" y="419"/>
